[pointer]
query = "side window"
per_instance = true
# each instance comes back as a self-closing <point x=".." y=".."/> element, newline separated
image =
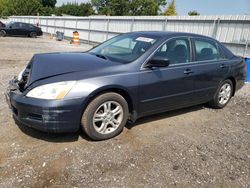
<point x="206" y="50"/>
<point x="30" y="26"/>
<point x="23" y="25"/>
<point x="15" y="25"/>
<point x="176" y="50"/>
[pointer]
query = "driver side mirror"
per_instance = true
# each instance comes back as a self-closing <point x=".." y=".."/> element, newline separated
<point x="158" y="62"/>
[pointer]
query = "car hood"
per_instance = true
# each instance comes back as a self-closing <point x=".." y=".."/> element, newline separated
<point x="49" y="65"/>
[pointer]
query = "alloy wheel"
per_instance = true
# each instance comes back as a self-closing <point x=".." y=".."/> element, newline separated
<point x="108" y="117"/>
<point x="225" y="93"/>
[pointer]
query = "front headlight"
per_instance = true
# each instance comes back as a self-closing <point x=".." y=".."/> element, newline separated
<point x="52" y="91"/>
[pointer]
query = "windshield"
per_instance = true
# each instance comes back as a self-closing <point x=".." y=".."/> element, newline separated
<point x="9" y="24"/>
<point x="124" y="48"/>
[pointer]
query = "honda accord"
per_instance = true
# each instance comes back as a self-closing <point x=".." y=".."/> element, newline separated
<point x="127" y="77"/>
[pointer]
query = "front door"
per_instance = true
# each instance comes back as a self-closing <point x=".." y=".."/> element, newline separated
<point x="169" y="87"/>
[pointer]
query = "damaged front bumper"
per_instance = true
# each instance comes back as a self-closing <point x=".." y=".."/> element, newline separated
<point x="44" y="115"/>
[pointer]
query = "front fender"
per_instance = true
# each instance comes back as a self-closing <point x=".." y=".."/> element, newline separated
<point x="89" y="88"/>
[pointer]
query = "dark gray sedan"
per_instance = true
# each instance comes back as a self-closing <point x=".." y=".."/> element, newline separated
<point x="127" y="77"/>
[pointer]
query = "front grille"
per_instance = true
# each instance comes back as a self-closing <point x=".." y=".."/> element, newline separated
<point x="35" y="117"/>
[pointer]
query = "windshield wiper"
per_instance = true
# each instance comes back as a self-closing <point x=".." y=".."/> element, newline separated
<point x="99" y="55"/>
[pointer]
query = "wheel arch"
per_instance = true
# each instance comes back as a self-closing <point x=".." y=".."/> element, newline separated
<point x="3" y="30"/>
<point x="34" y="32"/>
<point x="116" y="89"/>
<point x="232" y="79"/>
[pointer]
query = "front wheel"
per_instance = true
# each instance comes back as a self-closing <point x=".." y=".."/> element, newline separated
<point x="105" y="117"/>
<point x="33" y="35"/>
<point x="223" y="95"/>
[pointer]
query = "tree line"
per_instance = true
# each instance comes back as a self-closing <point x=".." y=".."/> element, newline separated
<point x="95" y="7"/>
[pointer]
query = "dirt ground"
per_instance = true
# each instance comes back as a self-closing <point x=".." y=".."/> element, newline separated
<point x="193" y="147"/>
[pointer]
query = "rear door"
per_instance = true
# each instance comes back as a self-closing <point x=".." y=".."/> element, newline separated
<point x="210" y="68"/>
<point x="25" y="29"/>
<point x="169" y="87"/>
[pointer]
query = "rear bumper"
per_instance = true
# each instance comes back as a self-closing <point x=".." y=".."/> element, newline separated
<point x="45" y="115"/>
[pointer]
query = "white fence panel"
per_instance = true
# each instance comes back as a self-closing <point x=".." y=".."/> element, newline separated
<point x="80" y="24"/>
<point x="232" y="30"/>
<point x="119" y="26"/>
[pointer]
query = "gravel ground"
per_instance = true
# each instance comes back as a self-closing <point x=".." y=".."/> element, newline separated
<point x="192" y="147"/>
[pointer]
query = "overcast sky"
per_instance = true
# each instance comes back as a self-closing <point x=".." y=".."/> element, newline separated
<point x="205" y="7"/>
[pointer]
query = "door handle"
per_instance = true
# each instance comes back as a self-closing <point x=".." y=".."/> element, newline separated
<point x="223" y="66"/>
<point x="188" y="71"/>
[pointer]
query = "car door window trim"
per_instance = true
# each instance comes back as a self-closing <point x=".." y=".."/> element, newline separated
<point x="213" y="42"/>
<point x="192" y="54"/>
<point x="164" y="42"/>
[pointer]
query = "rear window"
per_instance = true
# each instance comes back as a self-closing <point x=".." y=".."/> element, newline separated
<point x="31" y="26"/>
<point x="206" y="50"/>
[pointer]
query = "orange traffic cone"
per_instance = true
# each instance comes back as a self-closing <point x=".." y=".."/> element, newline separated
<point x="76" y="38"/>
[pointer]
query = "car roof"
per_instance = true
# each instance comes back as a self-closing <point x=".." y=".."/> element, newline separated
<point x="22" y="23"/>
<point x="170" y="34"/>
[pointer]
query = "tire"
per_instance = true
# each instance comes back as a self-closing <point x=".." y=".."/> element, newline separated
<point x="33" y="35"/>
<point x="110" y="112"/>
<point x="2" y="33"/>
<point x="220" y="100"/>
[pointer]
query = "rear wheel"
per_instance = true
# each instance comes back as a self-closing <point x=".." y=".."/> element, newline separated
<point x="105" y="117"/>
<point x="33" y="34"/>
<point x="223" y="95"/>
<point x="2" y="33"/>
